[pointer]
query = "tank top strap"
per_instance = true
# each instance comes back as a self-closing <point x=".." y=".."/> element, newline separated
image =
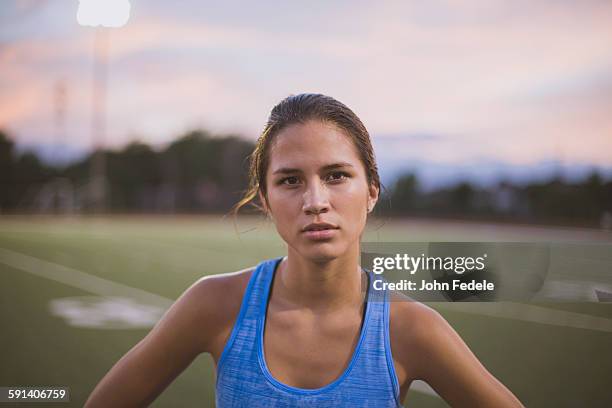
<point x="245" y="328"/>
<point x="376" y="360"/>
<point x="263" y="274"/>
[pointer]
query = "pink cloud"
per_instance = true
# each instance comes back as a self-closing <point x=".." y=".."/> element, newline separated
<point x="491" y="73"/>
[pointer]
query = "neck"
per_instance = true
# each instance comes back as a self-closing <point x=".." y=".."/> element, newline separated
<point x="321" y="286"/>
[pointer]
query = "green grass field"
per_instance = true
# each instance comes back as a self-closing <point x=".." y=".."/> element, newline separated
<point x="549" y="355"/>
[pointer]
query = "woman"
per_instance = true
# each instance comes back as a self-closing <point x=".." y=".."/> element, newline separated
<point x="300" y="330"/>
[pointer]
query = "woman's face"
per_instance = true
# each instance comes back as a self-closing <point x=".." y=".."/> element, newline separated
<point x="317" y="190"/>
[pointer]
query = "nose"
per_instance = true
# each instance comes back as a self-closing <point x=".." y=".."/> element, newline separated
<point x="316" y="199"/>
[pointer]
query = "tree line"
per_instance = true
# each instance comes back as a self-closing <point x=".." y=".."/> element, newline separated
<point x="198" y="172"/>
<point x="587" y="202"/>
<point x="201" y="172"/>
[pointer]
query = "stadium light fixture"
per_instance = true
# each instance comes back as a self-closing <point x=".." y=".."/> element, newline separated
<point x="105" y="13"/>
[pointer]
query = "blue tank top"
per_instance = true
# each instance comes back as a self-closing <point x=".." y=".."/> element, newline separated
<point x="243" y="378"/>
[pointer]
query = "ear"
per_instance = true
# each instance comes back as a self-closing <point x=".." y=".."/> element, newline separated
<point x="373" y="193"/>
<point x="264" y="203"/>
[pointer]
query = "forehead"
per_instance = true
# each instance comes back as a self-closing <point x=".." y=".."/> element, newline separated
<point x="312" y="144"/>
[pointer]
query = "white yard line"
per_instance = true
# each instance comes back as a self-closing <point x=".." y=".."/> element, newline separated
<point x="103" y="287"/>
<point x="423" y="387"/>
<point x="81" y="280"/>
<point x="531" y="313"/>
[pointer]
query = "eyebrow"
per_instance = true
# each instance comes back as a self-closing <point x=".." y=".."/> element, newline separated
<point x="288" y="170"/>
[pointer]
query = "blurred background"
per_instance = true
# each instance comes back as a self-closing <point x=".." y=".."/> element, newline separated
<point x="125" y="130"/>
<point x="479" y="109"/>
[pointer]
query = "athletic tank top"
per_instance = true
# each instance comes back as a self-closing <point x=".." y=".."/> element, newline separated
<point x="243" y="378"/>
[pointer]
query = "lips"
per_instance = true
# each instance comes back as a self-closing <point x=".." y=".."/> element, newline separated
<point x="320" y="231"/>
<point x="319" y="226"/>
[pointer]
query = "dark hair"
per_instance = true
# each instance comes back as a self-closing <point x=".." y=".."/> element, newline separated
<point x="300" y="109"/>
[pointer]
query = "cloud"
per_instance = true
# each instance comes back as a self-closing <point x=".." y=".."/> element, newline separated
<point x="517" y="80"/>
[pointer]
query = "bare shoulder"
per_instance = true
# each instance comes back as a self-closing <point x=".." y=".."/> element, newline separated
<point x="195" y="323"/>
<point x="213" y="302"/>
<point x="411" y="326"/>
<point x="221" y="289"/>
<point x="426" y="347"/>
<point x="411" y="318"/>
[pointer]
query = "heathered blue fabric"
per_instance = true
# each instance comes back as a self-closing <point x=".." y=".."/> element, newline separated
<point x="243" y="379"/>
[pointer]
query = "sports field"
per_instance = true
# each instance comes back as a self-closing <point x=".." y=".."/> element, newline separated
<point x="77" y="293"/>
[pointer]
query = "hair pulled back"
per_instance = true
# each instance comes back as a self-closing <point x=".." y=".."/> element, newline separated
<point x="299" y="109"/>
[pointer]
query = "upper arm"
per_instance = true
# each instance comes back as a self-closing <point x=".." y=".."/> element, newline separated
<point x="444" y="361"/>
<point x="184" y="332"/>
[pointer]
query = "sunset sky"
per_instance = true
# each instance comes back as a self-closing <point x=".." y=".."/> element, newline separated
<point x="448" y="82"/>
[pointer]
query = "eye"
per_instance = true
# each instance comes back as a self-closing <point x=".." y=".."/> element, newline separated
<point x="337" y="176"/>
<point x="289" y="181"/>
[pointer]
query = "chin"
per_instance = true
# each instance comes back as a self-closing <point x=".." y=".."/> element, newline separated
<point x="322" y="252"/>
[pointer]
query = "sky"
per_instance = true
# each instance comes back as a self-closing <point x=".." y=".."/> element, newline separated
<point x="455" y="84"/>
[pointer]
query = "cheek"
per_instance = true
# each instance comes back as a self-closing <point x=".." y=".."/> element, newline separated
<point x="284" y="211"/>
<point x="283" y="203"/>
<point x="353" y="199"/>
<point x="352" y="211"/>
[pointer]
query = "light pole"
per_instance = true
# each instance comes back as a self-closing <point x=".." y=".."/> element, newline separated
<point x="101" y="14"/>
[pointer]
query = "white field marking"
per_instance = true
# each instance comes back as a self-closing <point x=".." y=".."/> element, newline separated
<point x="423" y="387"/>
<point x="531" y="313"/>
<point x="145" y="244"/>
<point x="81" y="280"/>
<point x="103" y="312"/>
<point x="103" y="287"/>
<point x="572" y="290"/>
